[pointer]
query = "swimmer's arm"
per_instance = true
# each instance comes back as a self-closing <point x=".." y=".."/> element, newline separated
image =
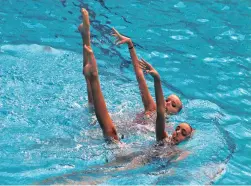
<point x="146" y="97"/>
<point x="182" y="156"/>
<point x="160" y="121"/>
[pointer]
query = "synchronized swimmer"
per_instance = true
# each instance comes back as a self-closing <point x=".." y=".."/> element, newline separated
<point x="166" y="144"/>
<point x="172" y="105"/>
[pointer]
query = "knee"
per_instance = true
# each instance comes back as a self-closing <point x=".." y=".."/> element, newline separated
<point x="94" y="74"/>
<point x="89" y="72"/>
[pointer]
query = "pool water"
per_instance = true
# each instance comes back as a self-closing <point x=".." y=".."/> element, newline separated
<point x="201" y="50"/>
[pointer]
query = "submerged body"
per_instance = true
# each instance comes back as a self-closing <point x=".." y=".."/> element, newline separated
<point x="126" y="159"/>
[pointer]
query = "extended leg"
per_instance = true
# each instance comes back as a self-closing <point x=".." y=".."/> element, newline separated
<point x="104" y="119"/>
<point x="84" y="29"/>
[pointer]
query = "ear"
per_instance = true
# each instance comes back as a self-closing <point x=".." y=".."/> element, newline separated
<point x="192" y="133"/>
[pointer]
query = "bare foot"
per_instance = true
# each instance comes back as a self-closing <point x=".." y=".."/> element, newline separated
<point x="85" y="26"/>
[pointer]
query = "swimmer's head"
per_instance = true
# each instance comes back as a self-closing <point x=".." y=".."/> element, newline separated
<point x="182" y="132"/>
<point x="173" y="104"/>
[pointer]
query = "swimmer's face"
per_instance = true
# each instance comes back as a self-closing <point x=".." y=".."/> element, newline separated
<point x="182" y="132"/>
<point x="173" y="104"/>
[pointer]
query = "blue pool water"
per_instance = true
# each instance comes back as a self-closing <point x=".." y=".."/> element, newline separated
<point x="201" y="50"/>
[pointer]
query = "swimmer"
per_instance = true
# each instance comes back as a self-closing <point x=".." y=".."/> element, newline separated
<point x="165" y="148"/>
<point x="173" y="104"/>
<point x="182" y="132"/>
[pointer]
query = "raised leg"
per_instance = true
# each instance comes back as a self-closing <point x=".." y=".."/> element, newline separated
<point x="104" y="119"/>
<point x="84" y="29"/>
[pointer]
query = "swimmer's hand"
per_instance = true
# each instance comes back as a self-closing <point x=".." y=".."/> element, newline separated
<point x="145" y="66"/>
<point x="120" y="39"/>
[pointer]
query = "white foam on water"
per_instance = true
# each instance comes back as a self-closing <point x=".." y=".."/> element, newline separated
<point x="52" y="40"/>
<point x="248" y="59"/>
<point x="190" y="55"/>
<point x="222" y="87"/>
<point x="155" y="53"/>
<point x="165" y="56"/>
<point x="179" y="37"/>
<point x="202" y="20"/>
<point x="225" y="8"/>
<point x="238" y="37"/>
<point x="180" y="5"/>
<point x="37" y="25"/>
<point x="209" y="59"/>
<point x="232" y="35"/>
<point x="189" y="32"/>
<point x="33" y="48"/>
<point x="158" y="54"/>
<point x="228" y="32"/>
<point x="223" y="59"/>
<point x="78" y="146"/>
<point x="150" y="31"/>
<point x="153" y="32"/>
<point x="75" y="105"/>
